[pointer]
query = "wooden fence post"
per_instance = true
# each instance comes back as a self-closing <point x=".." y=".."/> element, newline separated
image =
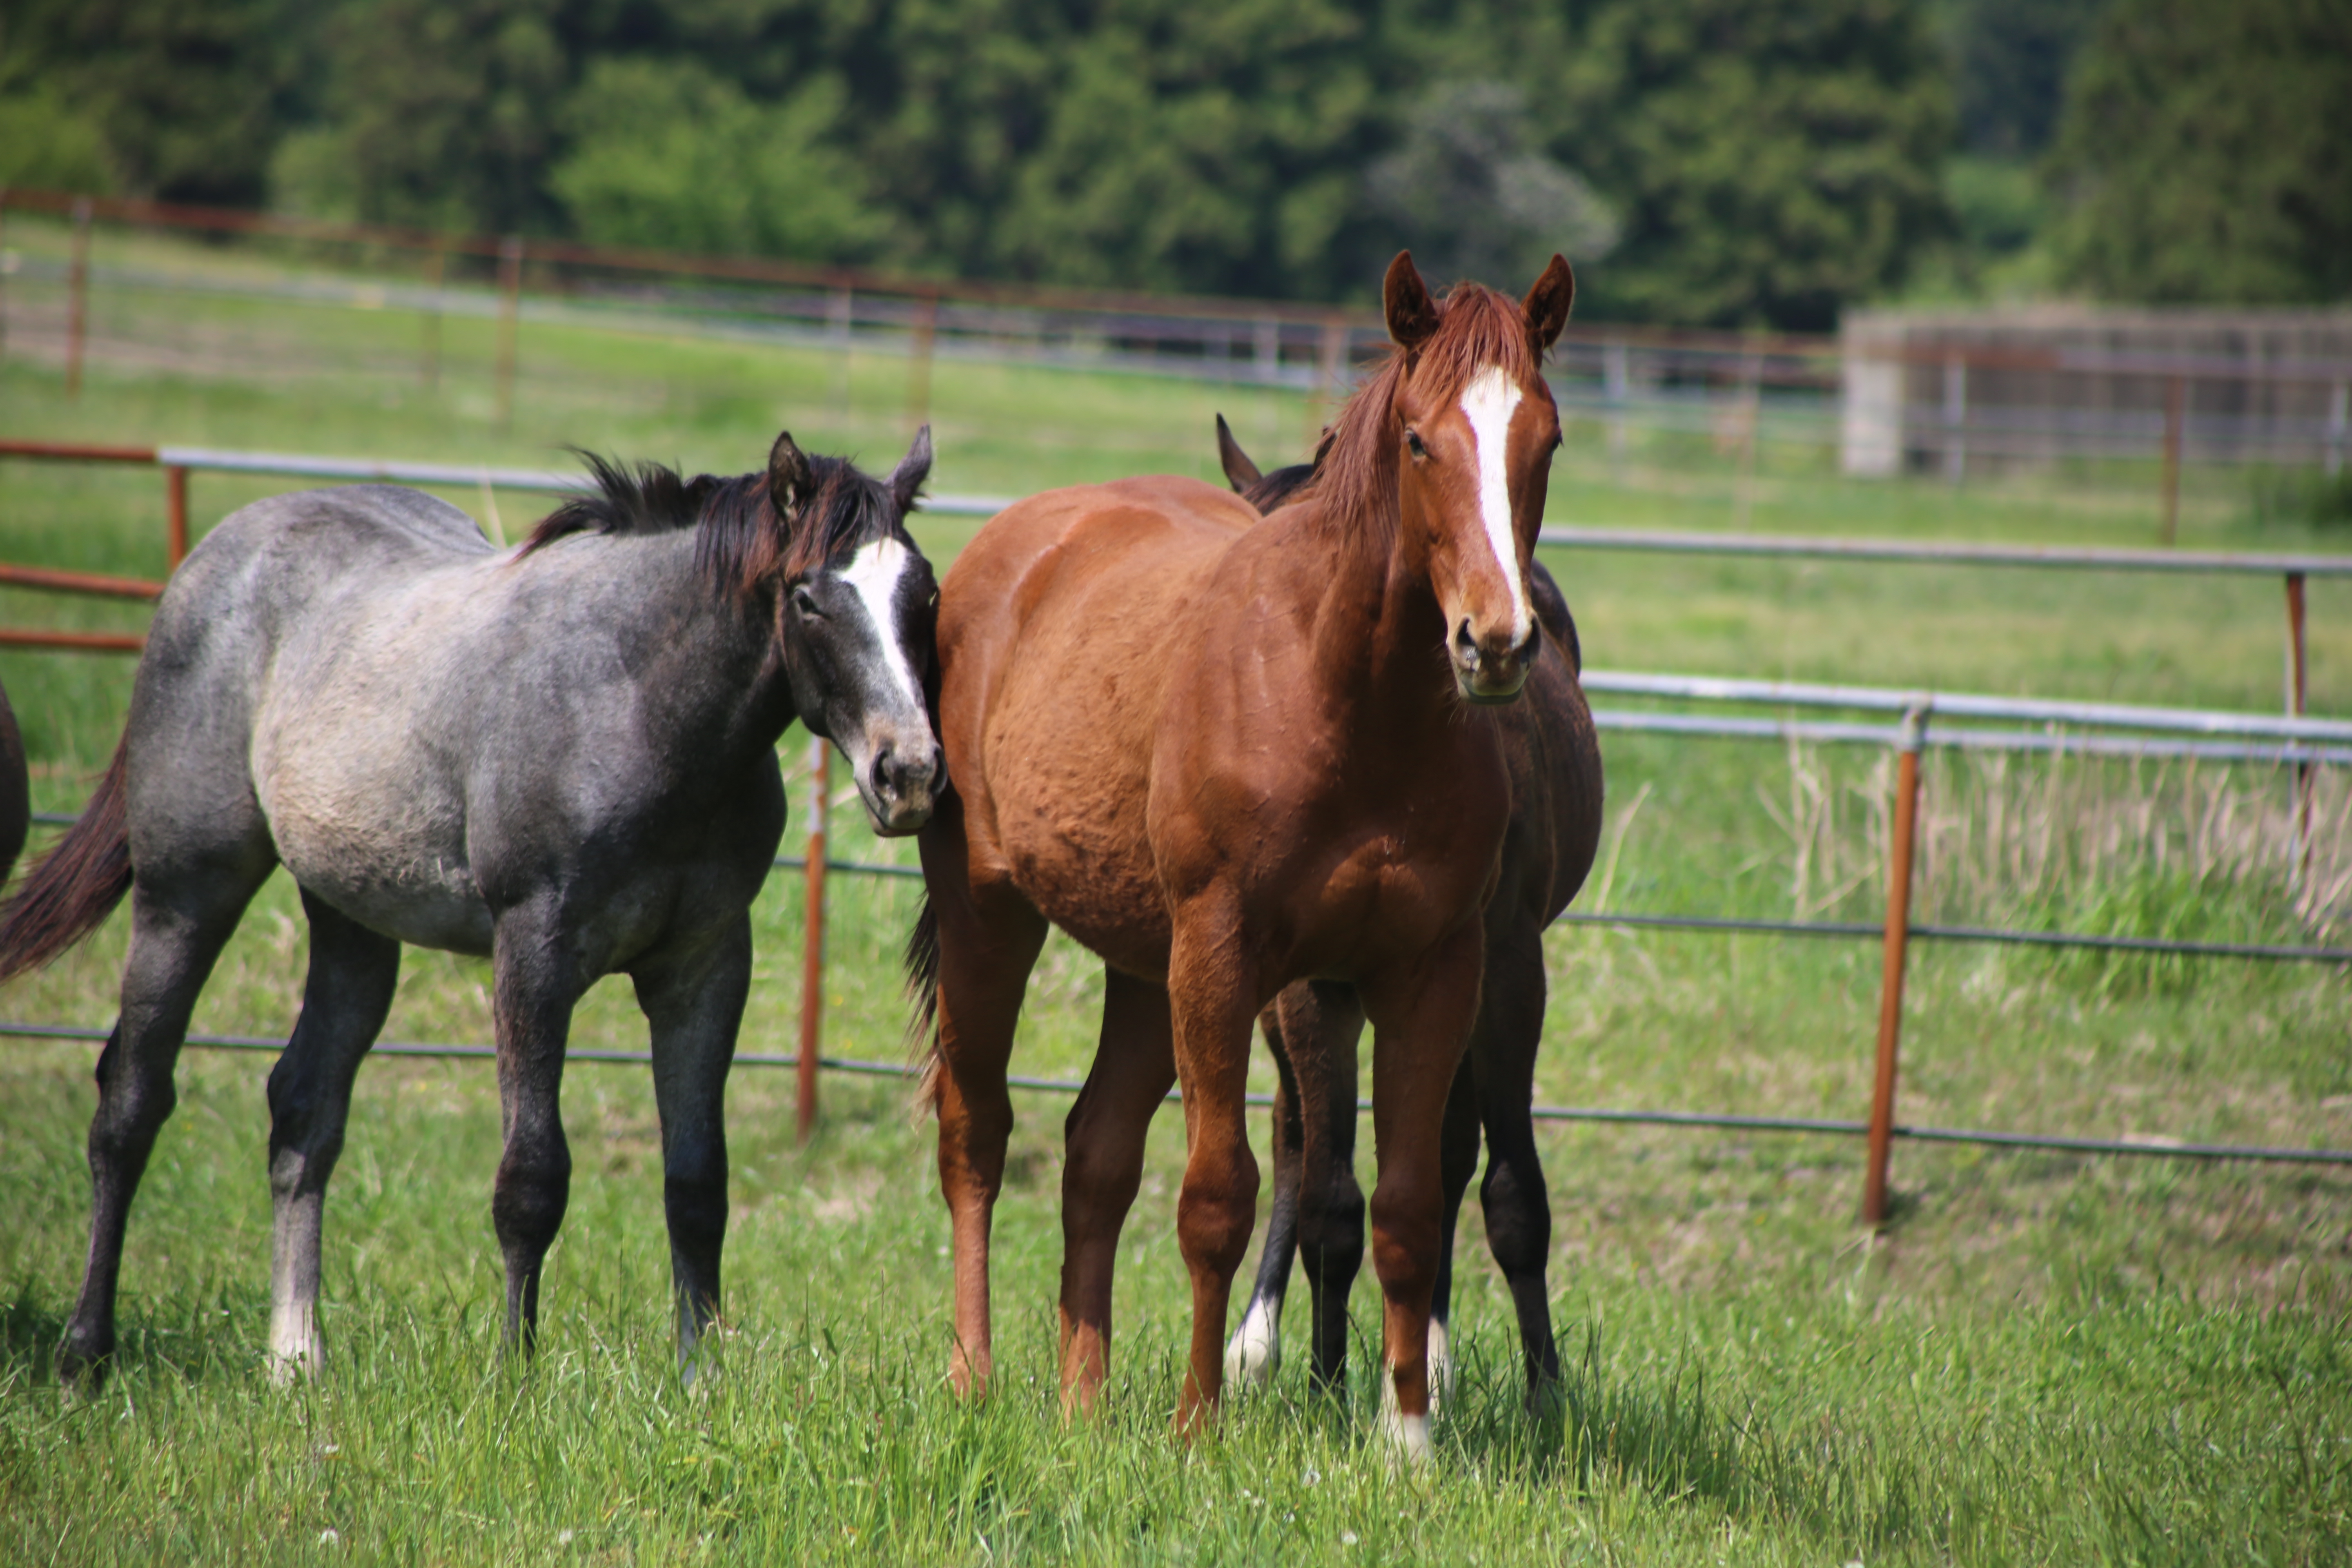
<point x="78" y="297"/>
<point x="510" y="315"/>
<point x="429" y="358"/>
<point x="1956" y="417"/>
<point x="1899" y="856"/>
<point x="813" y="938"/>
<point x="918" y="364"/>
<point x="2175" y="416"/>
<point x="3" y="272"/>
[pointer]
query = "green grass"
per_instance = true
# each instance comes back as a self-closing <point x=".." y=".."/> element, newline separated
<point x="2046" y="1358"/>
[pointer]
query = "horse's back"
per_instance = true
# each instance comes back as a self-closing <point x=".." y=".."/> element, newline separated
<point x="1059" y="625"/>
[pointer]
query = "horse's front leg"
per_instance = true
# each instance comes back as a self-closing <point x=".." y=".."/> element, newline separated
<point x="1104" y="1165"/>
<point x="1420" y="1015"/>
<point x="693" y="1003"/>
<point x="534" y="985"/>
<point x="1212" y="1005"/>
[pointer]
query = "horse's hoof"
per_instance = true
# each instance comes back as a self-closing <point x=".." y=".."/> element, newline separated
<point x="1405" y="1437"/>
<point x="81" y="1368"/>
<point x="1254" y="1352"/>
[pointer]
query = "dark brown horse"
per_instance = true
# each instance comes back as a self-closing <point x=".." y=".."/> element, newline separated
<point x="1229" y="754"/>
<point x="1318" y="1211"/>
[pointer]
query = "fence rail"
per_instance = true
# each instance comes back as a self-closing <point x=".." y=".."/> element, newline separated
<point x="1926" y="718"/>
<point x="1834" y="1126"/>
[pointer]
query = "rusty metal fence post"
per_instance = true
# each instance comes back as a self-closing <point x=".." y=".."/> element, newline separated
<point x="509" y="314"/>
<point x="2294" y="699"/>
<point x="78" y="297"/>
<point x="813" y="937"/>
<point x="175" y="516"/>
<point x="1899" y="856"/>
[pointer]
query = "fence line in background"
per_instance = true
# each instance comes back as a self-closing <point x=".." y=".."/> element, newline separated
<point x="1622" y="371"/>
<point x="2159" y="1147"/>
<point x="1925" y="720"/>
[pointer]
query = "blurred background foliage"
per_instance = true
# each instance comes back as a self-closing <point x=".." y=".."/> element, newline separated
<point x="1730" y="162"/>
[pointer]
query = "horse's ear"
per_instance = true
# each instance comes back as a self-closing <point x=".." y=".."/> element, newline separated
<point x="1404" y="300"/>
<point x="905" y="480"/>
<point x="1547" y="305"/>
<point x="789" y="475"/>
<point x="1240" y="472"/>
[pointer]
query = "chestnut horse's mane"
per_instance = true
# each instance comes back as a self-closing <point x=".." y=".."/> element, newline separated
<point x="1355" y="469"/>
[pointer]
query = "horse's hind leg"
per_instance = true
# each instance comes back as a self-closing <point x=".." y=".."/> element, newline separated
<point x="694" y="1003"/>
<point x="1255" y="1349"/>
<point x="353" y="974"/>
<point x="179" y="922"/>
<point x="1457" y="1162"/>
<point x="1518" y="1207"/>
<point x="1323" y="1028"/>
<point x="1133" y="1069"/>
<point x="535" y="984"/>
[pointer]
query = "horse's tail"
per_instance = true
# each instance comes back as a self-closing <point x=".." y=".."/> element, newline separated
<point x="923" y="989"/>
<point x="76" y="885"/>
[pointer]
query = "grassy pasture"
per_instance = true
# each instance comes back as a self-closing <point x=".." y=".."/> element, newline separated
<point x="2046" y="1358"/>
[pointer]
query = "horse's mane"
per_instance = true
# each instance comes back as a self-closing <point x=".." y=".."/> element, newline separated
<point x="1355" y="469"/>
<point x="740" y="542"/>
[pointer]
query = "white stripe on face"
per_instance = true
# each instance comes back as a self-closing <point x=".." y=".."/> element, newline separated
<point x="874" y="572"/>
<point x="1488" y="402"/>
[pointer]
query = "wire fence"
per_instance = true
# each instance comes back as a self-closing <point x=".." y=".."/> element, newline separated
<point x="2293" y="740"/>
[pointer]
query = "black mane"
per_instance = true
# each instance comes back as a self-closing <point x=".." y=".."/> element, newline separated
<point x="742" y="541"/>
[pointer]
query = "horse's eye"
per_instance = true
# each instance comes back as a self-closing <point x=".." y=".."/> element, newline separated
<point x="804" y="603"/>
<point x="1412" y="441"/>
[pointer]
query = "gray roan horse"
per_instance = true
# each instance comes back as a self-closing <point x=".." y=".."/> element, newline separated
<point x="560" y="757"/>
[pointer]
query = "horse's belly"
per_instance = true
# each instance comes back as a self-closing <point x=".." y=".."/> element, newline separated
<point x="401" y="872"/>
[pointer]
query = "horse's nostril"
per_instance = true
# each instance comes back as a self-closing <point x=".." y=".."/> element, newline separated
<point x="885" y="771"/>
<point x="1465" y="643"/>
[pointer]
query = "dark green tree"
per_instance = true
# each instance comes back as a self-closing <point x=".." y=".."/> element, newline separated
<point x="1771" y="159"/>
<point x="444" y="113"/>
<point x="186" y="102"/>
<point x="2012" y="57"/>
<point x="2206" y="154"/>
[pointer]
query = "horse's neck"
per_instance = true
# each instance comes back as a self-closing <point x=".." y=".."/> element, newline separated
<point x="716" y="676"/>
<point x="1380" y="633"/>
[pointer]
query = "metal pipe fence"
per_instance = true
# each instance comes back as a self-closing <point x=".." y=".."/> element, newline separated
<point x="1926" y="718"/>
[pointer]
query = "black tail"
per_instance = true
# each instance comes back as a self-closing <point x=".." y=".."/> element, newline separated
<point x="75" y="886"/>
<point x="923" y="988"/>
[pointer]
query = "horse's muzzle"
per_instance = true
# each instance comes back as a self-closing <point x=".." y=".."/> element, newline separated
<point x="899" y="787"/>
<point x="1490" y="669"/>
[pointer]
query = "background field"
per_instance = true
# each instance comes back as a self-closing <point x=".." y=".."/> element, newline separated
<point x="2046" y="1358"/>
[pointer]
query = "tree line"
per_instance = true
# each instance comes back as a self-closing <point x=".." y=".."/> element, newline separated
<point x="1721" y="162"/>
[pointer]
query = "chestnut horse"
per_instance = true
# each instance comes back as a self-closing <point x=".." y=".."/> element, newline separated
<point x="1318" y="1211"/>
<point x="1226" y="755"/>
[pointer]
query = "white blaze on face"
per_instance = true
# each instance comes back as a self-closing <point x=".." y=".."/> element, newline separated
<point x="875" y="573"/>
<point x="1488" y="402"/>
